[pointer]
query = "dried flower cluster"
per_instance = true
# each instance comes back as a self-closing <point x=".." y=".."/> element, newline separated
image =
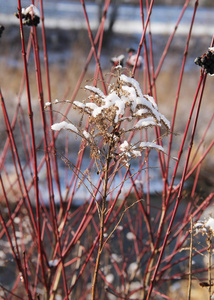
<point x="206" y="61"/>
<point x="205" y="226"/>
<point x="107" y="114"/>
<point x="30" y="15"/>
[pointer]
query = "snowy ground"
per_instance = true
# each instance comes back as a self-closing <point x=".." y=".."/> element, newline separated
<point x="69" y="15"/>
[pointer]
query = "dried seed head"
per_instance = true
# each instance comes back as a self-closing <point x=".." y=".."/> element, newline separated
<point x="112" y="116"/>
<point x="206" y="61"/>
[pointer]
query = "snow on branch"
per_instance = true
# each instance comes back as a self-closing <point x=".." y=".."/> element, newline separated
<point x="114" y="106"/>
<point x="146" y="145"/>
<point x="124" y="102"/>
<point x="64" y="125"/>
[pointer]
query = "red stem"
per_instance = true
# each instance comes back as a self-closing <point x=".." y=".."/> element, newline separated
<point x="179" y="193"/>
<point x="33" y="145"/>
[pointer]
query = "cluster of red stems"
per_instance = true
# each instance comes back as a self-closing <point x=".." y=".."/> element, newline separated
<point x="53" y="247"/>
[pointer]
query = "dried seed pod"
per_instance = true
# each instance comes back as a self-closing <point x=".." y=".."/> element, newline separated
<point x="206" y="61"/>
<point x="30" y="15"/>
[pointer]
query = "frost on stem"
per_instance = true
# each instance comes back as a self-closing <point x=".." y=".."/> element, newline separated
<point x="109" y="115"/>
<point x="30" y="15"/>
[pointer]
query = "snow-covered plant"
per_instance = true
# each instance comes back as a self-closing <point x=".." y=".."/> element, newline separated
<point x="30" y="15"/>
<point x="108" y="114"/>
<point x="108" y="135"/>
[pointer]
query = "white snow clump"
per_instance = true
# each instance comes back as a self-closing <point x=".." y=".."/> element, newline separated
<point x="64" y="125"/>
<point x="30" y="9"/>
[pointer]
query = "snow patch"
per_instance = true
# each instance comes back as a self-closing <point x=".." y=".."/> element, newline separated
<point x="64" y="125"/>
